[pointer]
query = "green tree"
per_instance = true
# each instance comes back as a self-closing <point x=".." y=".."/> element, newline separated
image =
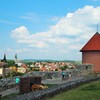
<point x="10" y="63"/>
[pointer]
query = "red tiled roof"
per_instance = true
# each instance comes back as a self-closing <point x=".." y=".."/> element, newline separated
<point x="93" y="44"/>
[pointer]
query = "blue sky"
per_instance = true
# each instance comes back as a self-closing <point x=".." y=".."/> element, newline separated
<point x="47" y="29"/>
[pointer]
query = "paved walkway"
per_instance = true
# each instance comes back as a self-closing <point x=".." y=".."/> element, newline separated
<point x="9" y="91"/>
<point x="48" y="81"/>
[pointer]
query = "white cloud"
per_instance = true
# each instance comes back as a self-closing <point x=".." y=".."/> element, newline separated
<point x="31" y="17"/>
<point x="70" y="32"/>
<point x="55" y="18"/>
<point x="10" y="50"/>
<point x="20" y="33"/>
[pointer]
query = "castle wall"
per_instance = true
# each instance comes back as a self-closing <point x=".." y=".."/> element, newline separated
<point x="92" y="57"/>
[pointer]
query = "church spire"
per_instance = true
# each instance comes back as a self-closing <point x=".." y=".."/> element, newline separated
<point x="4" y="59"/>
<point x="15" y="56"/>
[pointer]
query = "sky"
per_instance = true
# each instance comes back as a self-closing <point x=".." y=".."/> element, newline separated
<point x="47" y="29"/>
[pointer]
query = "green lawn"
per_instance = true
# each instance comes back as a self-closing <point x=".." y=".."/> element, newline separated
<point x="51" y="85"/>
<point x="89" y="91"/>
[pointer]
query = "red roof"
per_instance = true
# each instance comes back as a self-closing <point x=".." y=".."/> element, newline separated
<point x="93" y="44"/>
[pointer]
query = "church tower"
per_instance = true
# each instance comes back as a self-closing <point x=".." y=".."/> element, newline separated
<point x="15" y="57"/>
<point x="4" y="59"/>
<point x="91" y="52"/>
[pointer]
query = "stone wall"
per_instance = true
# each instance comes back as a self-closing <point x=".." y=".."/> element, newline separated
<point x="80" y="70"/>
<point x="6" y="83"/>
<point x="44" y="94"/>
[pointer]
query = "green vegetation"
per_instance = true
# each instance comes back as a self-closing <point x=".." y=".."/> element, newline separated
<point x="89" y="91"/>
<point x="1" y="77"/>
<point x="51" y="85"/>
<point x="64" y="67"/>
<point x="10" y="63"/>
<point x="13" y="73"/>
<point x="49" y="60"/>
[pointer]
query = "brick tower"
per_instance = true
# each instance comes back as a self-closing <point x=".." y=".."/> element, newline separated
<point x="91" y="52"/>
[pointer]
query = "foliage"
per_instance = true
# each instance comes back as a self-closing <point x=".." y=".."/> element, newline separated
<point x="36" y="68"/>
<point x="63" y="67"/>
<point x="29" y="63"/>
<point x="10" y="63"/>
<point x="51" y="85"/>
<point x="1" y="77"/>
<point x="56" y="69"/>
<point x="13" y="73"/>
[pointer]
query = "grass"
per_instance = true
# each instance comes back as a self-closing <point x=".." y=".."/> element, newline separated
<point x="51" y="85"/>
<point x="90" y="91"/>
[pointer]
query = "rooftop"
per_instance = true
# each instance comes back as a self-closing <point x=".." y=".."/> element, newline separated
<point x="93" y="44"/>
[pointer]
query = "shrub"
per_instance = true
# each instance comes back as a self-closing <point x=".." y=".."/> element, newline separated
<point x="1" y="77"/>
<point x="13" y="73"/>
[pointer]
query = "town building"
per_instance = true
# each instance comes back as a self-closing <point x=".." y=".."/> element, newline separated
<point x="3" y="65"/>
<point x="17" y="62"/>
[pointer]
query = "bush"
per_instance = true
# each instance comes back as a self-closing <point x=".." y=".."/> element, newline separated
<point x="11" y="74"/>
<point x="56" y="69"/>
<point x="1" y="77"/>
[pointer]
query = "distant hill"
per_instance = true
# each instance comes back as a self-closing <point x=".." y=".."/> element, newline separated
<point x="48" y="60"/>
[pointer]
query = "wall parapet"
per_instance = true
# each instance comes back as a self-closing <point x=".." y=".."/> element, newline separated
<point x="44" y="94"/>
